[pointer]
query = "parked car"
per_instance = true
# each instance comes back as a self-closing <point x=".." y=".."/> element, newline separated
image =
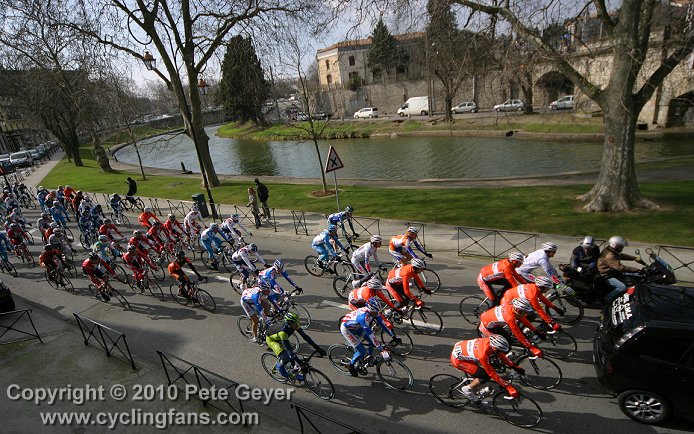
<point x="644" y="352"/>
<point x="301" y="116"/>
<point x="321" y="116"/>
<point x="465" y="107"/>
<point x="21" y="159"/>
<point x="366" y="112"/>
<point x="5" y="163"/>
<point x="35" y="154"/>
<point x="564" y="103"/>
<point x="510" y="106"/>
<point x="417" y="105"/>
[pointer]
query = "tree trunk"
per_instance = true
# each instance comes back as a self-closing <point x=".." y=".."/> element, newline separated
<point x="616" y="188"/>
<point x="527" y="88"/>
<point x="320" y="164"/>
<point x="100" y="154"/>
<point x="448" y="99"/>
<point x="139" y="162"/>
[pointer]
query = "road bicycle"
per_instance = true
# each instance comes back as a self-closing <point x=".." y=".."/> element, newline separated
<point x="161" y="263"/>
<point x="110" y="292"/>
<point x="237" y="283"/>
<point x="343" y="285"/>
<point x="245" y="326"/>
<point x="563" y="297"/>
<point x="192" y="293"/>
<point x="136" y="203"/>
<point x="558" y="344"/>
<point x="23" y="253"/>
<point x="540" y="372"/>
<point x="7" y="267"/>
<point x="287" y="304"/>
<point x="57" y="278"/>
<point x="522" y="411"/>
<point x="314" y="380"/>
<point x="67" y="231"/>
<point x="430" y="278"/>
<point x="393" y="373"/>
<point x="88" y="237"/>
<point x="403" y="348"/>
<point x="148" y="284"/>
<point x="26" y="201"/>
<point x="222" y="257"/>
<point x="423" y="319"/>
<point x="334" y="265"/>
<point x="119" y="218"/>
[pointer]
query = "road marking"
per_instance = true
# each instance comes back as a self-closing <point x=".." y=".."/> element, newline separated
<point x="221" y="278"/>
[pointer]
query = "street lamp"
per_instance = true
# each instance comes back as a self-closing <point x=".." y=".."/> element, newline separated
<point x="202" y="86"/>
<point x="150" y="61"/>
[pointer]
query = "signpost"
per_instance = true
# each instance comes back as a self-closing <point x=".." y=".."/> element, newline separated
<point x="332" y="164"/>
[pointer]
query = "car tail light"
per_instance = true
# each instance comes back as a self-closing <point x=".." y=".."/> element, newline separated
<point x="609" y="367"/>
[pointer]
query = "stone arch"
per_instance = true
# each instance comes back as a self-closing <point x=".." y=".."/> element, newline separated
<point x="681" y="111"/>
<point x="551" y="86"/>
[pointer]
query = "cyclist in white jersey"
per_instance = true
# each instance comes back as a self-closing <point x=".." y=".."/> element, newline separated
<point x="193" y="220"/>
<point x="362" y="256"/>
<point x="540" y="258"/>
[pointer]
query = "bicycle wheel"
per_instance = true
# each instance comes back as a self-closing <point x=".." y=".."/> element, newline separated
<point x="235" y="280"/>
<point x="521" y="411"/>
<point x="50" y="278"/>
<point x="227" y="263"/>
<point x="30" y="237"/>
<point x="541" y="374"/>
<point x="395" y="374"/>
<point x="121" y="275"/>
<point x="319" y="384"/>
<point x="447" y="389"/>
<point x="300" y="310"/>
<point x="71" y="268"/>
<point x="28" y="257"/>
<point x="268" y="360"/>
<point x="431" y="280"/>
<point x="68" y="233"/>
<point x="67" y="285"/>
<point x="342" y="287"/>
<point x="471" y="307"/>
<point x="559" y="345"/>
<point x="344" y="268"/>
<point x="245" y="326"/>
<point x="155" y="290"/>
<point x="340" y="356"/>
<point x="157" y="272"/>
<point x="182" y="300"/>
<point x="573" y="310"/>
<point x="85" y="241"/>
<point x="120" y="297"/>
<point x="205" y="300"/>
<point x="8" y="267"/>
<point x="426" y="321"/>
<point x="96" y="293"/>
<point x="125" y="221"/>
<point x="311" y="264"/>
<point x="402" y="349"/>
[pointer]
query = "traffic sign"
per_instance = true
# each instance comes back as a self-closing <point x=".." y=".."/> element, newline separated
<point x="333" y="162"/>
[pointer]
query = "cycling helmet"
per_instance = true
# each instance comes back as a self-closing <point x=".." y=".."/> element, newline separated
<point x="103" y="238"/>
<point x="291" y="317"/>
<point x="47" y="246"/>
<point x="543" y="282"/>
<point x="549" y="247"/>
<point x="253" y="247"/>
<point x="131" y="248"/>
<point x="68" y="186"/>
<point x="14" y="225"/>
<point x="515" y="256"/>
<point x="58" y="231"/>
<point x="349" y="209"/>
<point x="147" y="209"/>
<point x="521" y="305"/>
<point x="376" y="239"/>
<point x="80" y="193"/>
<point x="107" y="221"/>
<point x="137" y="233"/>
<point x="60" y="187"/>
<point x="417" y="263"/>
<point x="264" y="286"/>
<point x="171" y="217"/>
<point x="413" y="230"/>
<point x="499" y="343"/>
<point x="235" y="217"/>
<point x="332" y="228"/>
<point x="41" y="187"/>
<point x="374" y="304"/>
<point x="279" y="264"/>
<point x="588" y="241"/>
<point x="97" y="206"/>
<point x="180" y="254"/>
<point x="45" y="215"/>
<point x="93" y="256"/>
<point x="374" y="283"/>
<point x="194" y="208"/>
<point x="54" y="225"/>
<point x="214" y="226"/>
<point x="617" y="242"/>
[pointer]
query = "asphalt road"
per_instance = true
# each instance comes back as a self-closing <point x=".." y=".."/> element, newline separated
<point x="578" y="405"/>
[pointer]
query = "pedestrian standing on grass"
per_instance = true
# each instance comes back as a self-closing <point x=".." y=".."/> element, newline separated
<point x="253" y="203"/>
<point x="263" y="195"/>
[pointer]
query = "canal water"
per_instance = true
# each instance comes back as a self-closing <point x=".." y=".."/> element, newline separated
<point x="402" y="158"/>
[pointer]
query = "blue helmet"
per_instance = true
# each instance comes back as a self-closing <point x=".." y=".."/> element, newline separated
<point x="374" y="304"/>
<point x="332" y="228"/>
<point x="279" y="264"/>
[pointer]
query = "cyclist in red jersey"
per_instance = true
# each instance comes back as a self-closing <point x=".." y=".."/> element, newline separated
<point x="533" y="293"/>
<point x="398" y="282"/>
<point x="495" y="321"/>
<point x="502" y="272"/>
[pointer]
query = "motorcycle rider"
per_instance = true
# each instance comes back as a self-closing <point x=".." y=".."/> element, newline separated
<point x="611" y="268"/>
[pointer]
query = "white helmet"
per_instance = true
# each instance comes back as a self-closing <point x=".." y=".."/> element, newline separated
<point x="521" y="304"/>
<point x="515" y="256"/>
<point x="617" y="242"/>
<point x="549" y="247"/>
<point x="374" y="283"/>
<point x="413" y="230"/>
<point x="376" y="239"/>
<point x="417" y="263"/>
<point x="499" y="343"/>
<point x="588" y="241"/>
<point x="543" y="282"/>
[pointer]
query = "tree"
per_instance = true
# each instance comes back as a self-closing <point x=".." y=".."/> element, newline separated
<point x="385" y="53"/>
<point x="243" y="88"/>
<point x="627" y="34"/>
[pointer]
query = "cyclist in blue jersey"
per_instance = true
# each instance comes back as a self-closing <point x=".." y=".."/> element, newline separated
<point x="356" y="325"/>
<point x="270" y="276"/>
<point x="321" y="244"/>
<point x="254" y="303"/>
<point x="339" y="218"/>
<point x="208" y="237"/>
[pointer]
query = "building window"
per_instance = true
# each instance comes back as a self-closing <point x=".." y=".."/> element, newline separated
<point x="329" y="78"/>
<point x="352" y="62"/>
<point x="327" y="64"/>
<point x="353" y="75"/>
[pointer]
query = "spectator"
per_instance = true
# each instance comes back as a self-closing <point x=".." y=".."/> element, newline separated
<point x="132" y="190"/>
<point x="263" y="195"/>
<point x="253" y="203"/>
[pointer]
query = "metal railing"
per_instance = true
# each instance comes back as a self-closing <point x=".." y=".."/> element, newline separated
<point x="189" y="373"/>
<point x="272" y="219"/>
<point x="104" y="336"/>
<point x="303" y="412"/>
<point x="19" y="314"/>
<point x="371" y="226"/>
<point x="681" y="259"/>
<point x="494" y="243"/>
<point x="245" y="215"/>
<point x="154" y="204"/>
<point x="299" y="221"/>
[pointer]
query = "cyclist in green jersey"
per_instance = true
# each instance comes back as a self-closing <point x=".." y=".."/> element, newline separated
<point x="277" y="338"/>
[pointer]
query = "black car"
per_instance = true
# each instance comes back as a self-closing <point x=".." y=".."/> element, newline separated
<point x="644" y="352"/>
<point x="321" y="116"/>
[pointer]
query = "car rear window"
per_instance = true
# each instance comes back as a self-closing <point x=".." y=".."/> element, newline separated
<point x="669" y="349"/>
<point x="621" y="318"/>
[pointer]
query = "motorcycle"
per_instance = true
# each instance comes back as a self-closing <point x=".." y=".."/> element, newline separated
<point x="591" y="289"/>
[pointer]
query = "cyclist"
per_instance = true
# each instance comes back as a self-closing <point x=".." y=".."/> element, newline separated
<point x="11" y="201"/>
<point x="611" y="268"/>
<point x="473" y="358"/>
<point x="500" y="273"/>
<point x="86" y="205"/>
<point x="254" y="302"/>
<point x="59" y="238"/>
<point x="540" y="258"/>
<point x="17" y="235"/>
<point x="495" y="321"/>
<point x="270" y="276"/>
<point x="111" y="231"/>
<point x="85" y="222"/>
<point x="339" y="218"/>
<point x="16" y="216"/>
<point x="361" y="257"/>
<point x="136" y="262"/>
<point x="147" y="218"/>
<point x="229" y="227"/>
<point x="243" y="263"/>
<point x="60" y="195"/>
<point x="116" y="204"/>
<point x="398" y="283"/>
<point x="51" y="258"/>
<point x="5" y="246"/>
<point x="58" y="213"/>
<point x="93" y="267"/>
<point x="193" y="221"/>
<point x="76" y="202"/>
<point x="209" y="237"/>
<point x="138" y="240"/>
<point x="321" y="244"/>
<point x="68" y="192"/>
<point x="356" y="326"/>
<point x="277" y="338"/>
<point x="174" y="227"/>
<point x="41" y="194"/>
<point x="533" y="292"/>
<point x="97" y="215"/>
<point x="104" y="249"/>
<point x="400" y="248"/>
<point x="160" y="235"/>
<point x="50" y="199"/>
<point x="176" y="271"/>
<point x="43" y="224"/>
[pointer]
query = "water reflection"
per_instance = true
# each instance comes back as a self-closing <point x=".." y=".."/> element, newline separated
<point x="404" y="158"/>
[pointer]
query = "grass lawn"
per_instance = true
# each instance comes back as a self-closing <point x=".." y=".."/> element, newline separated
<point x="551" y="210"/>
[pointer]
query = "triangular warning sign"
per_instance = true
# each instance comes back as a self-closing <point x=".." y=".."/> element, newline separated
<point x="333" y="162"/>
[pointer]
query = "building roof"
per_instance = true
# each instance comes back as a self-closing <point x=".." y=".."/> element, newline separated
<point x="365" y="42"/>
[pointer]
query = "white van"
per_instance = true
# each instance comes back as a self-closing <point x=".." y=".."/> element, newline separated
<point x="417" y="105"/>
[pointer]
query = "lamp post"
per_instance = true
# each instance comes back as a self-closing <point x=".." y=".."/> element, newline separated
<point x="149" y="61"/>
